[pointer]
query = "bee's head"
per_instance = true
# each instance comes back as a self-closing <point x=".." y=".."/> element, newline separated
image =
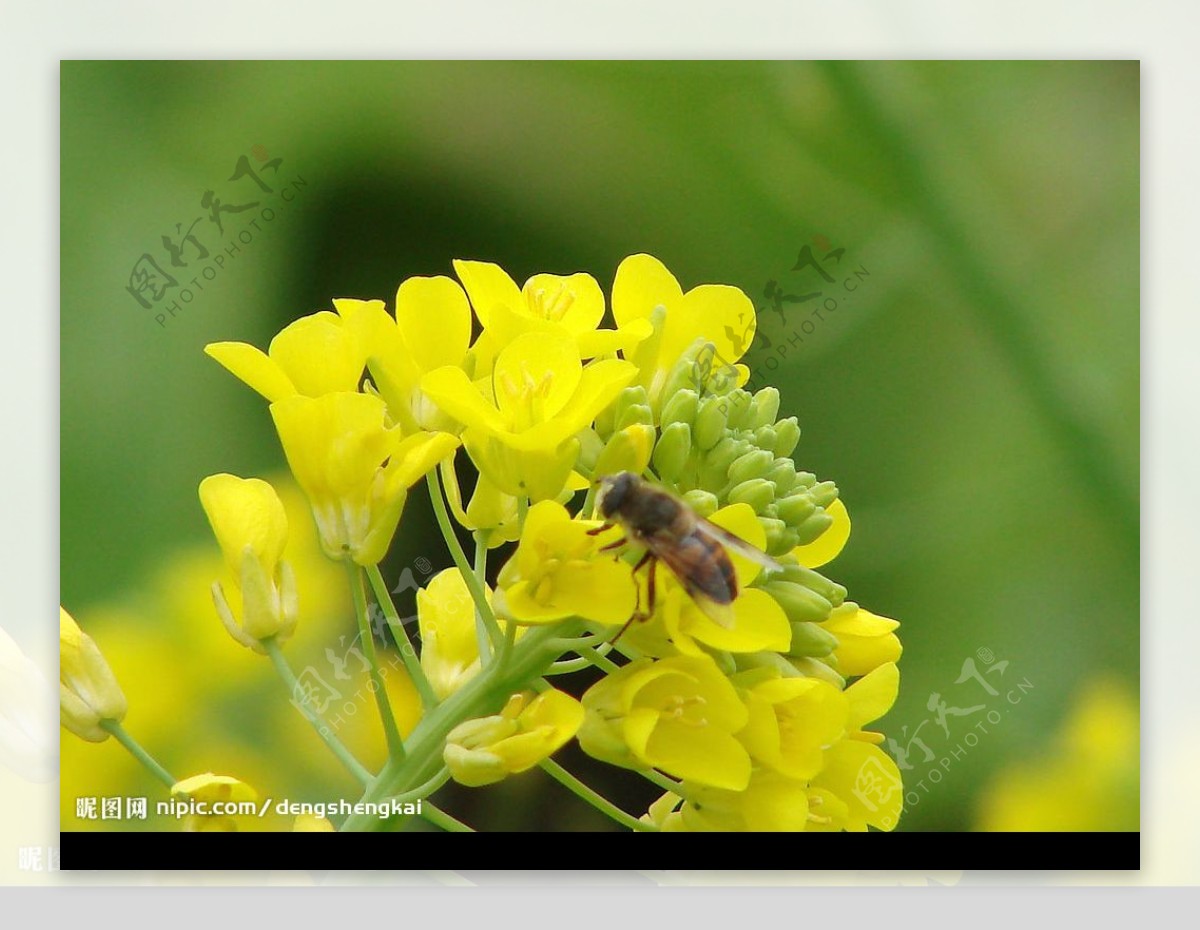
<point x="614" y="490"/>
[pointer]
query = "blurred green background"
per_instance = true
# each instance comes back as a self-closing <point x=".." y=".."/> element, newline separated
<point x="975" y="398"/>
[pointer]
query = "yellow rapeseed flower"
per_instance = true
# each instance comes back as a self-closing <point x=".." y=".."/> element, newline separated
<point x="559" y="572"/>
<point x="431" y="329"/>
<point x="250" y="524"/>
<point x="521" y="435"/>
<point x="449" y="645"/>
<point x="677" y="714"/>
<point x="315" y="355"/>
<point x="719" y="314"/>
<point x="355" y="469"/>
<point x="488" y="749"/>
<point x="571" y="305"/>
<point x="88" y="690"/>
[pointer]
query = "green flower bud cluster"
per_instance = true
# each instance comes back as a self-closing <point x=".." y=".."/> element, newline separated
<point x="729" y="448"/>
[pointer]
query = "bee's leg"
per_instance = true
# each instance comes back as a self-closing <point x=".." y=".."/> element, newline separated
<point x="637" y="613"/>
<point x="597" y="530"/>
<point x="614" y="545"/>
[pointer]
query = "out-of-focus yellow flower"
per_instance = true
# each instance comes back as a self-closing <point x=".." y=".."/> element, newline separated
<point x="1086" y="779"/>
<point x="548" y="303"/>
<point x="522" y="436"/>
<point x="678" y="714"/>
<point x="826" y="547"/>
<point x="250" y="524"/>
<point x="865" y="641"/>
<point x="557" y="572"/>
<point x="315" y="355"/>
<point x="355" y="469"/>
<point x="488" y="749"/>
<point x="217" y="794"/>
<point x="449" y="646"/>
<point x="88" y="690"/>
<point x="311" y="823"/>
<point x="718" y="313"/>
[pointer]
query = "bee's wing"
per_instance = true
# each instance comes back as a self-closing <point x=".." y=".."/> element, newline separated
<point x="703" y="569"/>
<point x="737" y="544"/>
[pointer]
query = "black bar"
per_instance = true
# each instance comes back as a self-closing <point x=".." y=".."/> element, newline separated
<point x="822" y="852"/>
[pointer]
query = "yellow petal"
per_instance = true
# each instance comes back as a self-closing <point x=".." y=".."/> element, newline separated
<point x="245" y="512"/>
<point x="873" y="695"/>
<point x="825" y="548"/>
<point x="702" y="754"/>
<point x="575" y="300"/>
<point x="434" y="320"/>
<point x="534" y="377"/>
<point x="252" y="366"/>
<point x="319" y="355"/>
<point x="457" y="396"/>
<point x="487" y="285"/>
<point x="641" y="284"/>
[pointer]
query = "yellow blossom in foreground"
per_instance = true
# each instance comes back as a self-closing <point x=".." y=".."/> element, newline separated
<point x="522" y="435"/>
<point x="315" y="355"/>
<point x="1086" y="779"/>
<point x="488" y="749"/>
<point x="720" y="314"/>
<point x="792" y="721"/>
<point x="250" y="524"/>
<point x="678" y="714"/>
<point x="354" y="468"/>
<point x="217" y="794"/>
<point x="558" y="572"/>
<point x="88" y="690"/>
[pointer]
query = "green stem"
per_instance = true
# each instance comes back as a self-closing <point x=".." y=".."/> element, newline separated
<point x="135" y="749"/>
<point x="395" y="742"/>
<point x="484" y="694"/>
<point x="356" y="768"/>
<point x="426" y="790"/>
<point x="439" y="818"/>
<point x="599" y="660"/>
<point x="407" y="653"/>
<point x="474" y="585"/>
<point x="598" y="801"/>
<point x="522" y="510"/>
<point x="667" y="784"/>
<point x="482" y="639"/>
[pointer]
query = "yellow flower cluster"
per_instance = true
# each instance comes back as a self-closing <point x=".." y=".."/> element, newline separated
<point x="749" y="712"/>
